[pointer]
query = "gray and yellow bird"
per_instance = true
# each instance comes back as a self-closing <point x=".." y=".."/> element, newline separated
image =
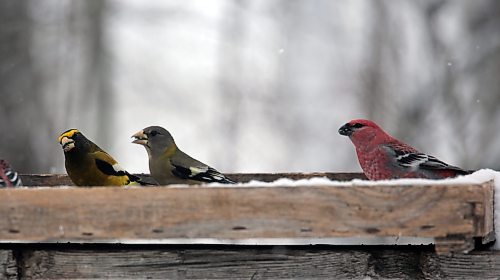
<point x="89" y="165"/>
<point x="169" y="165"/>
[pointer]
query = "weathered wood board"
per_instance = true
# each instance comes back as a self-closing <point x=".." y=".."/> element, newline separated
<point x="453" y="215"/>
<point x="8" y="265"/>
<point x="246" y="262"/>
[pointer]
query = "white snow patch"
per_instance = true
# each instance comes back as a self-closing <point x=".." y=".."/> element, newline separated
<point x="477" y="177"/>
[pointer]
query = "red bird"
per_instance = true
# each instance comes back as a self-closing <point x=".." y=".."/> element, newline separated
<point x="381" y="156"/>
<point x="8" y="177"/>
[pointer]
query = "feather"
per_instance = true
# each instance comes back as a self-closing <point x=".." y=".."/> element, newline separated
<point x="8" y="177"/>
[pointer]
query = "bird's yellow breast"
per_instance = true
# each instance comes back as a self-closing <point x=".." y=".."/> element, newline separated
<point x="86" y="173"/>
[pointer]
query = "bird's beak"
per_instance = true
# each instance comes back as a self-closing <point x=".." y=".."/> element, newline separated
<point x="140" y="138"/>
<point x="346" y="130"/>
<point x="67" y="143"/>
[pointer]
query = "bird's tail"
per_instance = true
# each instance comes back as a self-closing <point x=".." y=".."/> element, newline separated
<point x="137" y="180"/>
<point x="465" y="172"/>
<point x="226" y="180"/>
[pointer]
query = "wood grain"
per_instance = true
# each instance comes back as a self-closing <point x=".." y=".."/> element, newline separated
<point x="34" y="180"/>
<point x="225" y="263"/>
<point x="8" y="267"/>
<point x="475" y="265"/>
<point x="243" y="262"/>
<point x="121" y="214"/>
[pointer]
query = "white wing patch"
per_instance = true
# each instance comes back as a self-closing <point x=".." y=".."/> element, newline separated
<point x="412" y="160"/>
<point x="206" y="173"/>
<point x="118" y="168"/>
<point x="195" y="170"/>
<point x="13" y="178"/>
<point x="420" y="160"/>
<point x="217" y="176"/>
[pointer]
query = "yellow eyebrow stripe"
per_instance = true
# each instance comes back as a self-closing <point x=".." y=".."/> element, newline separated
<point x="68" y="133"/>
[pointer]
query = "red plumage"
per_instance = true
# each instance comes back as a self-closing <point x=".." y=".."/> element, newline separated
<point x="382" y="156"/>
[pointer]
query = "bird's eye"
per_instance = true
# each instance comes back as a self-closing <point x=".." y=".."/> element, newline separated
<point x="154" y="133"/>
<point x="357" y="125"/>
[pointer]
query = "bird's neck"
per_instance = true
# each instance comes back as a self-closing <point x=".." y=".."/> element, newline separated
<point x="74" y="154"/>
<point x="168" y="152"/>
<point x="75" y="159"/>
<point x="370" y="140"/>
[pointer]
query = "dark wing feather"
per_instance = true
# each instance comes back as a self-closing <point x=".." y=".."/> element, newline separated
<point x="13" y="178"/>
<point x="434" y="163"/>
<point x="207" y="174"/>
<point x="8" y="177"/>
<point x="108" y="169"/>
<point x="415" y="159"/>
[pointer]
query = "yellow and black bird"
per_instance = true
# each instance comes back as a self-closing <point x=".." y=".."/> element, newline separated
<point x="88" y="165"/>
<point x="169" y="165"/>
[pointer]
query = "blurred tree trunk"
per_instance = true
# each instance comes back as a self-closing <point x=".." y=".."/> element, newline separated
<point x="432" y="74"/>
<point x="52" y="76"/>
<point x="231" y="80"/>
<point x="18" y="99"/>
<point x="377" y="75"/>
<point x="468" y="68"/>
<point x="482" y="63"/>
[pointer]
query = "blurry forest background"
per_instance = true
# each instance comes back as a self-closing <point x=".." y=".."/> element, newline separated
<point x="250" y="85"/>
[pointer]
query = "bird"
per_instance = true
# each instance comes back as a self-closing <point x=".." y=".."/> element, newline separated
<point x="169" y="165"/>
<point x="8" y="177"/>
<point x="89" y="165"/>
<point x="382" y="156"/>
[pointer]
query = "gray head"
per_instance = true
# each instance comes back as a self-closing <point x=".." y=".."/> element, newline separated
<point x="155" y="139"/>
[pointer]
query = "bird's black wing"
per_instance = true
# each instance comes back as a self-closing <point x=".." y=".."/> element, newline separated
<point x="108" y="169"/>
<point x="417" y="160"/>
<point x="204" y="174"/>
<point x="8" y="177"/>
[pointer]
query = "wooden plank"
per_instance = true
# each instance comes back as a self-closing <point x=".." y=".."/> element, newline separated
<point x="484" y="228"/>
<point x="269" y="177"/>
<point x="33" y="180"/>
<point x="486" y="225"/>
<point x="278" y="262"/>
<point x="8" y="266"/>
<point x="235" y="213"/>
<point x="224" y="263"/>
<point x="475" y="265"/>
<point x="63" y="179"/>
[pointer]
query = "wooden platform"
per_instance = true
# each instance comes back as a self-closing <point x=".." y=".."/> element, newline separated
<point x="242" y="262"/>
<point x="117" y="232"/>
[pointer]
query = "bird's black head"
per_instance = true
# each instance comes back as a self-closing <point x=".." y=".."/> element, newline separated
<point x="71" y="139"/>
<point x="353" y="126"/>
<point x="349" y="128"/>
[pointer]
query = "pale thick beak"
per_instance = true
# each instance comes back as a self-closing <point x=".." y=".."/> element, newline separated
<point x="140" y="138"/>
<point x="67" y="143"/>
